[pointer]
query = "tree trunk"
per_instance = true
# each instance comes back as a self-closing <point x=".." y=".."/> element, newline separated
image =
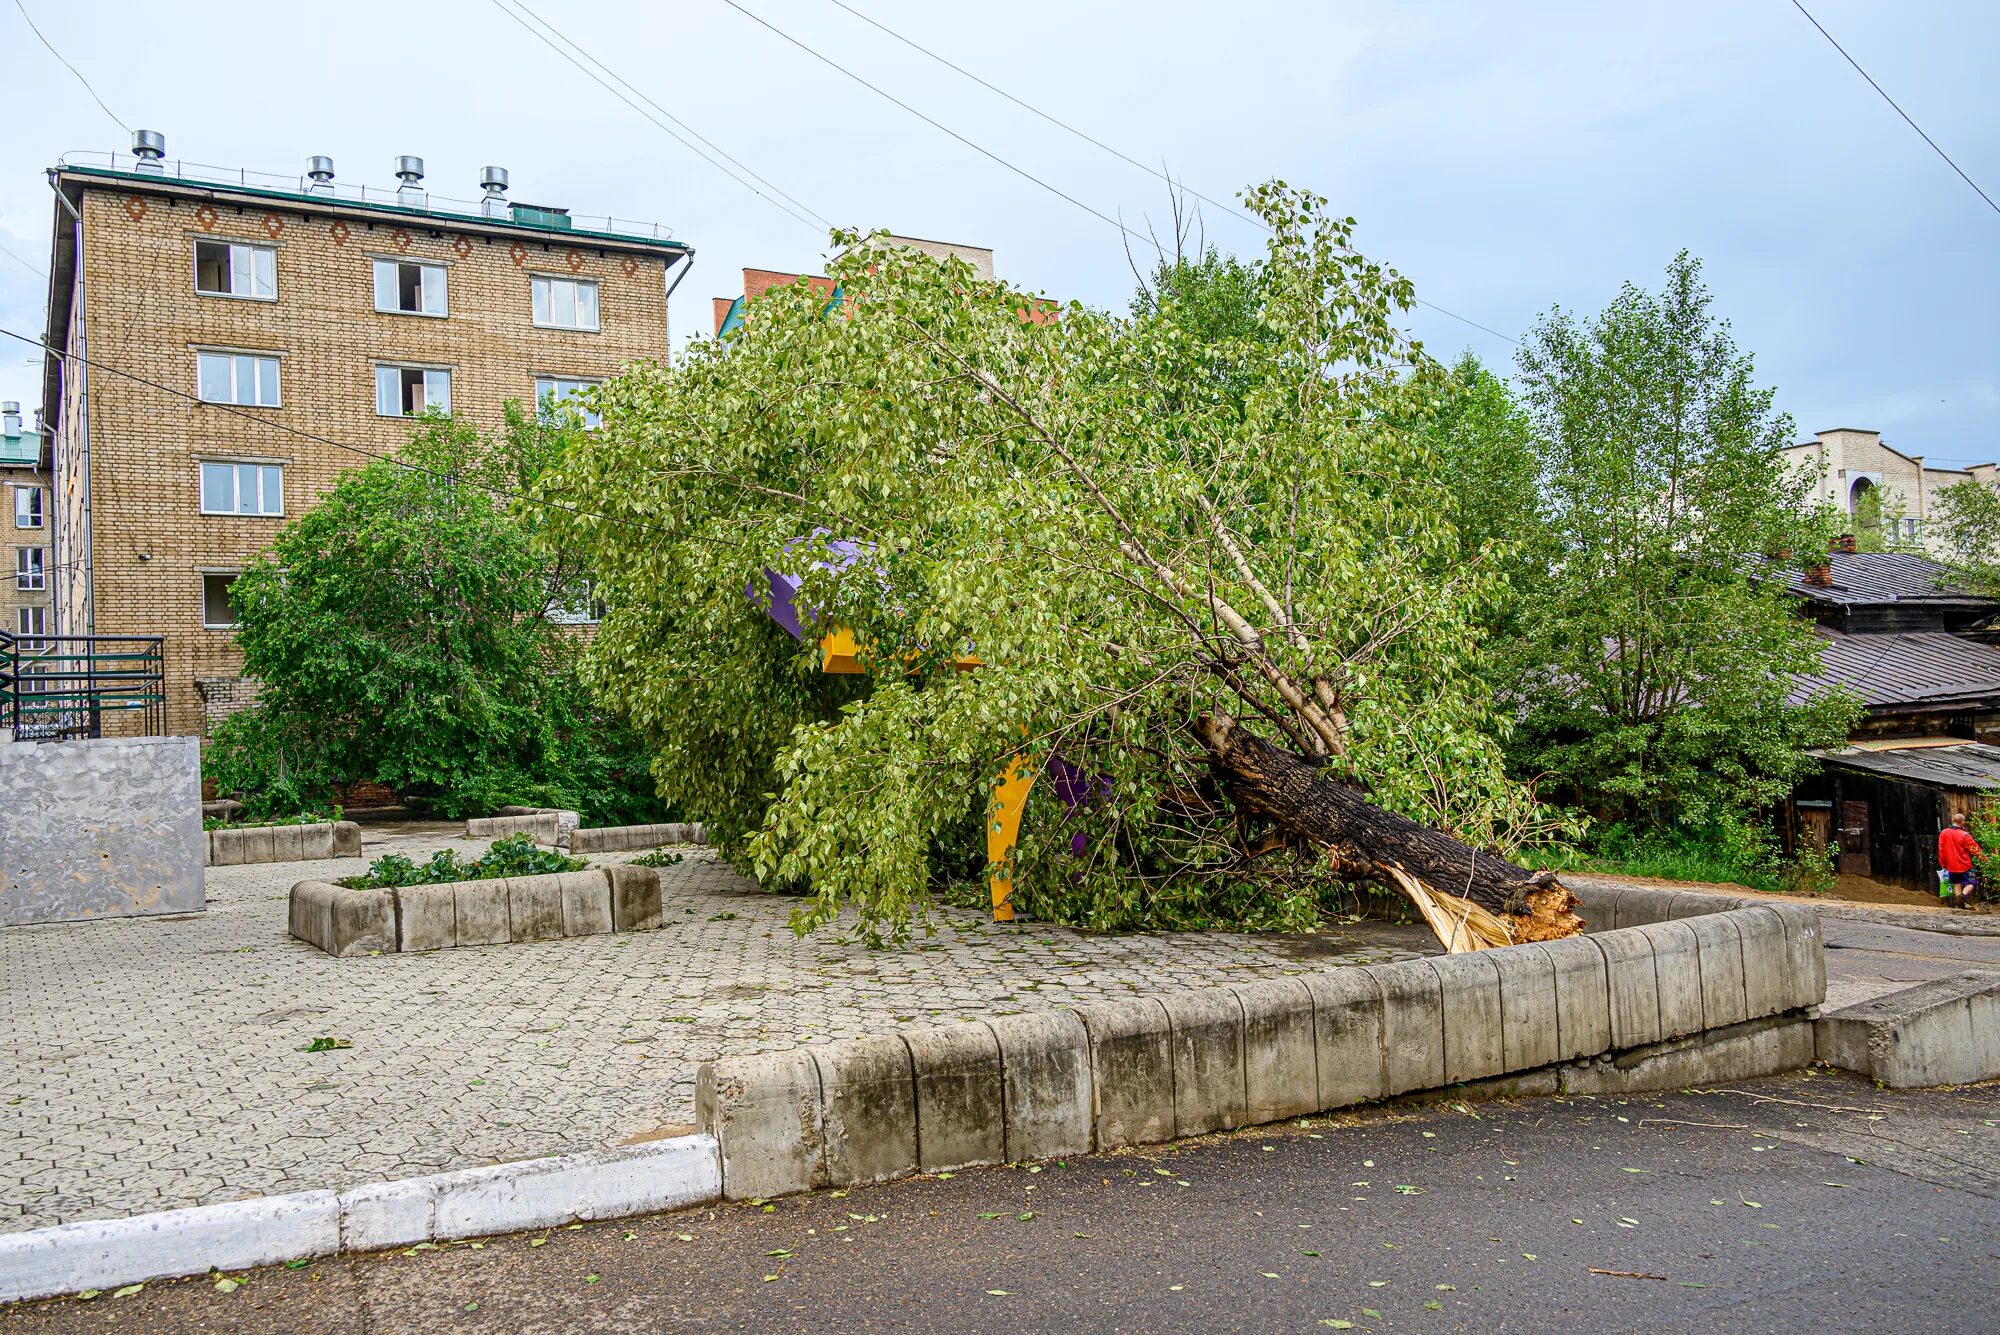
<point x="1366" y="842"/>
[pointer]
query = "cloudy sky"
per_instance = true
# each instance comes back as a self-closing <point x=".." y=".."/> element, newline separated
<point x="1509" y="157"/>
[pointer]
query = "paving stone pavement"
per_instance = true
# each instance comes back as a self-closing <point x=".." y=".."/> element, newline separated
<point x="151" y="1063"/>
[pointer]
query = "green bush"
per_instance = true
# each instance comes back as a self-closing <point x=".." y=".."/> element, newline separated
<point x="659" y="857"/>
<point x="516" y="855"/>
<point x="1710" y="846"/>
<point x="409" y="630"/>
<point x="302" y="818"/>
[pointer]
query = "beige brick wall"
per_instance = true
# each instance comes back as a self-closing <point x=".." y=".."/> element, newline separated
<point x="150" y="540"/>
<point x="12" y="598"/>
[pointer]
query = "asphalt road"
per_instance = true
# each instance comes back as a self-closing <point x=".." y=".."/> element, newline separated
<point x="1811" y="1203"/>
<point x="1867" y="958"/>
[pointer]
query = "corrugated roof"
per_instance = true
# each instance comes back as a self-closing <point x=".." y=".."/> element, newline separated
<point x="1914" y="668"/>
<point x="1966" y="765"/>
<point x="1886" y="577"/>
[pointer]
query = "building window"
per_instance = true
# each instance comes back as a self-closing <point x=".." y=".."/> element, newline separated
<point x="408" y="287"/>
<point x="577" y="605"/>
<point x="27" y="507"/>
<point x="31" y="623"/>
<point x="552" y="391"/>
<point x="28" y="572"/>
<point x="565" y="303"/>
<point x="242" y="489"/>
<point x="218" y="610"/>
<point x="237" y="377"/>
<point x="230" y="269"/>
<point x="405" y="391"/>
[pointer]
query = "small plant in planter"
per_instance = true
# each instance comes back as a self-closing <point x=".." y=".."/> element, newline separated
<point x="302" y="818"/>
<point x="516" y="855"/>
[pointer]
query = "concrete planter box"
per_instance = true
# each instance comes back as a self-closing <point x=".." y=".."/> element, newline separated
<point x="234" y="845"/>
<point x="348" y="922"/>
<point x="620" y="838"/>
<point x="547" y="825"/>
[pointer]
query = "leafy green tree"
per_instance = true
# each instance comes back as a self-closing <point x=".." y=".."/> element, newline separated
<point x="1964" y="522"/>
<point x="408" y="630"/>
<point x="1206" y="573"/>
<point x="1654" y="657"/>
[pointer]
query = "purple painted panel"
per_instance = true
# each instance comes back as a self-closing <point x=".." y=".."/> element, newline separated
<point x="782" y="602"/>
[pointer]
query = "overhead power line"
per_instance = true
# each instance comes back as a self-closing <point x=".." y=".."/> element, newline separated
<point x="794" y="208"/>
<point x="1060" y="124"/>
<point x="1022" y="171"/>
<point x="23" y="263"/>
<point x="501" y="493"/>
<point x="1892" y="103"/>
<point x="71" y="68"/>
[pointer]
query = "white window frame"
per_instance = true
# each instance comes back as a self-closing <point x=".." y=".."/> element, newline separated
<point x="250" y="267"/>
<point x="427" y="271"/>
<point x="542" y="307"/>
<point x="31" y="636"/>
<point x="31" y="573"/>
<point x="36" y="512"/>
<point x="554" y="398"/>
<point x="400" y="368"/>
<point x="233" y="357"/>
<point x="236" y="467"/>
<point x="206" y="576"/>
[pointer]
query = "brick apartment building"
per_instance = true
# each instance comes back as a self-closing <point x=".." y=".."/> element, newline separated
<point x="24" y="597"/>
<point x="731" y="311"/>
<point x="209" y="317"/>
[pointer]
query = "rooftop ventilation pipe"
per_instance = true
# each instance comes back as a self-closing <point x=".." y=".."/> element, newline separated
<point x="493" y="180"/>
<point x="10" y="418"/>
<point x="320" y="169"/>
<point x="149" y="146"/>
<point x="410" y="171"/>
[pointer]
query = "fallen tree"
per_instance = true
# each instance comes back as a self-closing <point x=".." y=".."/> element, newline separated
<point x="1212" y="581"/>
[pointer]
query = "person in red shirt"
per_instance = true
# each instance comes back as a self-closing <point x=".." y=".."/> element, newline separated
<point x="1956" y="850"/>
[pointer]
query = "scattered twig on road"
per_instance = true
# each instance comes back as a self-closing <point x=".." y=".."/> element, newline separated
<point x="1798" y="1103"/>
<point x="1625" y="1274"/>
<point x="1675" y="1121"/>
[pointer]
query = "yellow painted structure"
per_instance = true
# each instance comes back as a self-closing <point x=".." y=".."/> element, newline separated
<point x="1003" y="829"/>
<point x="840" y="655"/>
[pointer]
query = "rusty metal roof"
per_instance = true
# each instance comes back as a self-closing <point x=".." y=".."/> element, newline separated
<point x="1913" y="668"/>
<point x="1972" y="765"/>
<point x="1861" y="578"/>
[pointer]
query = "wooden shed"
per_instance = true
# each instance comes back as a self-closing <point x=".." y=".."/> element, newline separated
<point x="1883" y="804"/>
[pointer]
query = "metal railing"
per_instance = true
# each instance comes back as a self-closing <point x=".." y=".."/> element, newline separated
<point x="57" y="688"/>
<point x="344" y="192"/>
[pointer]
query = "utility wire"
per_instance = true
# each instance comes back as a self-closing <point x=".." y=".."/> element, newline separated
<point x="671" y="132"/>
<point x="498" y="492"/>
<point x="1022" y="172"/>
<point x="1886" y="98"/>
<point x="1029" y="176"/>
<point x="1060" y="124"/>
<point x="640" y="93"/>
<point x="71" y="68"/>
<point x="23" y="263"/>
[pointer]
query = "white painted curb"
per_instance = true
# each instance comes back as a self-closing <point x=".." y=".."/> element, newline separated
<point x="535" y="1193"/>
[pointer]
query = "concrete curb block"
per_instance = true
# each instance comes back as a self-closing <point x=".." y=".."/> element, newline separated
<point x="103" y="1254"/>
<point x="505" y="1198"/>
<point x="235" y="845"/>
<point x="1944" y="1032"/>
<point x="1667" y="1001"/>
<point x="622" y="838"/>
